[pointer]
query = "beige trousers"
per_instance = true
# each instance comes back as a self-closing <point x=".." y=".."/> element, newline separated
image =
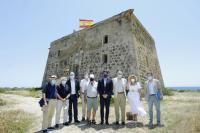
<point x="48" y="112"/>
<point x="120" y="103"/>
<point x="84" y="105"/>
<point x="59" y="106"/>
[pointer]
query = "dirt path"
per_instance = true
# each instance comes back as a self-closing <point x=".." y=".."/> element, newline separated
<point x="30" y="105"/>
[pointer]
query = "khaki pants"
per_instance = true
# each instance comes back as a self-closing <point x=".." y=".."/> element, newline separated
<point x="48" y="112"/>
<point x="59" y="106"/>
<point x="84" y="105"/>
<point x="120" y="102"/>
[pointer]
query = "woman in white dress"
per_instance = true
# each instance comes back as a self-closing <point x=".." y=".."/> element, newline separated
<point x="134" y="88"/>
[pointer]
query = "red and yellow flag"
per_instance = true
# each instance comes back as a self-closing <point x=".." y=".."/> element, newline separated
<point x="84" y="23"/>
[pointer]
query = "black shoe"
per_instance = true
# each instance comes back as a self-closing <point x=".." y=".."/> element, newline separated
<point x="88" y="122"/>
<point x="123" y="123"/>
<point x="101" y="123"/>
<point x="50" y="128"/>
<point x="116" y="123"/>
<point x="57" y="126"/>
<point x="159" y="125"/>
<point x="150" y="126"/>
<point x="93" y="122"/>
<point x="77" y="121"/>
<point x="107" y="123"/>
<point x="69" y="121"/>
<point x="66" y="123"/>
<point x="44" y="131"/>
<point x="83" y="119"/>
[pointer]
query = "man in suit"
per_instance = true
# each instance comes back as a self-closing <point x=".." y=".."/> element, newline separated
<point x="74" y="86"/>
<point x="105" y="89"/>
<point x="153" y="95"/>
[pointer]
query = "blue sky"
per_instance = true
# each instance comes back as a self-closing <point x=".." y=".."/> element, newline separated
<point x="28" y="26"/>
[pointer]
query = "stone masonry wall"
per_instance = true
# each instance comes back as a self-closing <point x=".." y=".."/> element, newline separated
<point x="118" y="43"/>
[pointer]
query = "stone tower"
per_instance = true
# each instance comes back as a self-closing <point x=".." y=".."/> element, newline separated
<point x="117" y="43"/>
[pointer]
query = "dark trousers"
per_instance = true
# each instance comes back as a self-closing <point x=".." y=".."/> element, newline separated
<point x="104" y="102"/>
<point x="73" y="100"/>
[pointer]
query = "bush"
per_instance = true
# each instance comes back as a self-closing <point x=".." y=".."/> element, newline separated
<point x="168" y="92"/>
<point x="2" y="90"/>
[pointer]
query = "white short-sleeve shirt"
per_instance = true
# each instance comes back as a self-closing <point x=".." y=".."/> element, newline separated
<point x="83" y="84"/>
<point x="92" y="89"/>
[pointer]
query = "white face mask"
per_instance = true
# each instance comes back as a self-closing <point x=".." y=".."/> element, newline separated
<point x="132" y="80"/>
<point x="86" y="77"/>
<point x="71" y="76"/>
<point x="119" y="76"/>
<point x="150" y="77"/>
<point x="53" y="82"/>
<point x="63" y="82"/>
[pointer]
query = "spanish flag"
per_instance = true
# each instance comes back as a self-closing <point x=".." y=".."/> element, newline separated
<point x="85" y="23"/>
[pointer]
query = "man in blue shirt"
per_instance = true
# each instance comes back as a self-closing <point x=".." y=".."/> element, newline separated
<point x="49" y="94"/>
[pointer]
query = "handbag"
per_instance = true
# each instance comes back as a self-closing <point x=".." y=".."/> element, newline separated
<point x="41" y="102"/>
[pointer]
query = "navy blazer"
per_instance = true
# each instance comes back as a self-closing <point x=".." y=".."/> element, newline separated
<point x="108" y="89"/>
<point x="77" y="86"/>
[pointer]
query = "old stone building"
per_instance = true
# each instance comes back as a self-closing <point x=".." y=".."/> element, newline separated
<point x="117" y="43"/>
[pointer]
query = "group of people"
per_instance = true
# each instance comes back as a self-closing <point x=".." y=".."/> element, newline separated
<point x="62" y="94"/>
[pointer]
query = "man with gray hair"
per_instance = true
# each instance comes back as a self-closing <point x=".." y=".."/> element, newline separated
<point x="49" y="95"/>
<point x="74" y="87"/>
<point x="119" y="87"/>
<point x="84" y="82"/>
<point x="153" y="95"/>
<point x="64" y="92"/>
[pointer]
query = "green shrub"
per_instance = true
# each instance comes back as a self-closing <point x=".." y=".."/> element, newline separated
<point x="168" y="92"/>
<point x="2" y="90"/>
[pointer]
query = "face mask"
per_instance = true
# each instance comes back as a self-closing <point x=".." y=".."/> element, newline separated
<point x="53" y="82"/>
<point x="86" y="76"/>
<point x="105" y="75"/>
<point x="63" y="82"/>
<point x="132" y="80"/>
<point x="119" y="76"/>
<point x="150" y="78"/>
<point x="72" y="77"/>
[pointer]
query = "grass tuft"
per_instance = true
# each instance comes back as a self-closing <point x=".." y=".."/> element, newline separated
<point x="2" y="102"/>
<point x="15" y="121"/>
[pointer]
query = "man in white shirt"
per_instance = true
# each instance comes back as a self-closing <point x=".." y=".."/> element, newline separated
<point x="153" y="95"/>
<point x="84" y="82"/>
<point x="74" y="87"/>
<point x="119" y="87"/>
<point x="92" y="101"/>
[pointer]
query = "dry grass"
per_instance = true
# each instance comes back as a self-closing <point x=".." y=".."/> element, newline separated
<point x="2" y="102"/>
<point x="28" y="93"/>
<point x="180" y="113"/>
<point x="32" y="92"/>
<point x="14" y="121"/>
